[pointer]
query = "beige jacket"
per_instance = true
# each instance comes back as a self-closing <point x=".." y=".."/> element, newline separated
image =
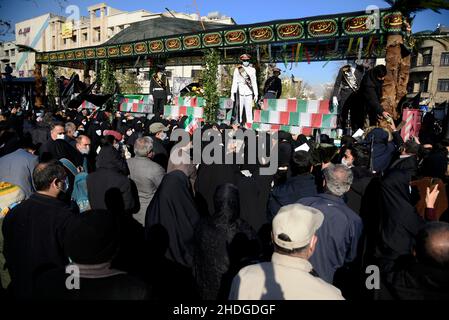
<point x="284" y="278"/>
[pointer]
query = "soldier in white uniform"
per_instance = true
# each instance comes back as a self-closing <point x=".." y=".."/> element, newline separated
<point x="245" y="84"/>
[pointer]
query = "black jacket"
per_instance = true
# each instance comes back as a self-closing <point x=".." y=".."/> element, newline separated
<point x="273" y="84"/>
<point x="291" y="191"/>
<point x="161" y="89"/>
<point x="409" y="164"/>
<point x="109" y="187"/>
<point x="33" y="233"/>
<point x="354" y="197"/>
<point x="412" y="280"/>
<point x="371" y="93"/>
<point x="120" y="286"/>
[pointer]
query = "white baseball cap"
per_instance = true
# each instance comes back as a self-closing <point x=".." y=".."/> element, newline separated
<point x="298" y="223"/>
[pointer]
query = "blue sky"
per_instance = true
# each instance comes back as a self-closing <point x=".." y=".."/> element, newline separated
<point x="243" y="11"/>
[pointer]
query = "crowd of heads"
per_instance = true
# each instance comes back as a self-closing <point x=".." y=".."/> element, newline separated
<point x="101" y="142"/>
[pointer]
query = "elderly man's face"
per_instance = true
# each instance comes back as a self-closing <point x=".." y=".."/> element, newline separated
<point x="84" y="145"/>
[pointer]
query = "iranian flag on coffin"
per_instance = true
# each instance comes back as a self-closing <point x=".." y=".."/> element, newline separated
<point x="300" y="119"/>
<point x="135" y="103"/>
<point x="266" y="127"/>
<point x="189" y="101"/>
<point x="298" y="105"/>
<point x="274" y="117"/>
<point x="177" y="112"/>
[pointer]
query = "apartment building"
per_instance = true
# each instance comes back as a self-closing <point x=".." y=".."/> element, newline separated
<point x="429" y="73"/>
<point x="52" y="32"/>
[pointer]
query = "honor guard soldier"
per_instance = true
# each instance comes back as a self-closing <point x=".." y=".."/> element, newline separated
<point x="159" y="90"/>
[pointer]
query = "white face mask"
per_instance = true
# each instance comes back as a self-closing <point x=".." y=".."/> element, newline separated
<point x="129" y="133"/>
<point x="60" y="137"/>
<point x="75" y="134"/>
<point x="116" y="145"/>
<point x="163" y="136"/>
<point x="245" y="63"/>
<point x="346" y="162"/>
<point x="65" y="186"/>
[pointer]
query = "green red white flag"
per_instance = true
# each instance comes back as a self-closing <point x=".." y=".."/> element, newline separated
<point x="300" y="119"/>
<point x="191" y="124"/>
<point x="298" y="105"/>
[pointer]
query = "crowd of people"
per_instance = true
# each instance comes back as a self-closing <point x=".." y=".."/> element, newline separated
<point x="99" y="192"/>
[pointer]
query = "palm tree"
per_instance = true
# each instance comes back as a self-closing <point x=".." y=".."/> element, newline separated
<point x="398" y="56"/>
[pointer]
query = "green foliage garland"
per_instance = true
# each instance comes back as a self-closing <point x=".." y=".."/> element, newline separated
<point x="128" y="82"/>
<point x="107" y="77"/>
<point x="52" y="88"/>
<point x="210" y="81"/>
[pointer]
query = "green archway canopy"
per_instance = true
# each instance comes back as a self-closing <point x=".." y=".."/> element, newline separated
<point x="183" y="42"/>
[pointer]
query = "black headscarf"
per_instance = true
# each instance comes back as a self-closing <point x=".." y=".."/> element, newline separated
<point x="400" y="221"/>
<point x="209" y="178"/>
<point x="223" y="242"/>
<point x="174" y="209"/>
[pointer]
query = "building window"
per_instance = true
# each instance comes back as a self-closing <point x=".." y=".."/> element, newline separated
<point x="85" y="36"/>
<point x="74" y="39"/>
<point x="53" y="42"/>
<point x="424" y="85"/>
<point x="414" y="61"/>
<point x="97" y="37"/>
<point x="7" y="53"/>
<point x="444" y="59"/>
<point x="443" y="85"/>
<point x="13" y="52"/>
<point x="427" y="57"/>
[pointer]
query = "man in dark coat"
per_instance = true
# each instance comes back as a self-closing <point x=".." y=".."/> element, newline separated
<point x="426" y="275"/>
<point x="341" y="228"/>
<point x="159" y="90"/>
<point x="346" y="85"/>
<point x="91" y="241"/>
<point x="57" y="148"/>
<point x="273" y="86"/>
<point x="408" y="159"/>
<point x="300" y="185"/>
<point x="370" y="94"/>
<point x="34" y="230"/>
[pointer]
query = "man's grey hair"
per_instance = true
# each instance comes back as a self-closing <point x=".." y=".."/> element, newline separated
<point x="70" y="126"/>
<point x="143" y="146"/>
<point x="338" y="179"/>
